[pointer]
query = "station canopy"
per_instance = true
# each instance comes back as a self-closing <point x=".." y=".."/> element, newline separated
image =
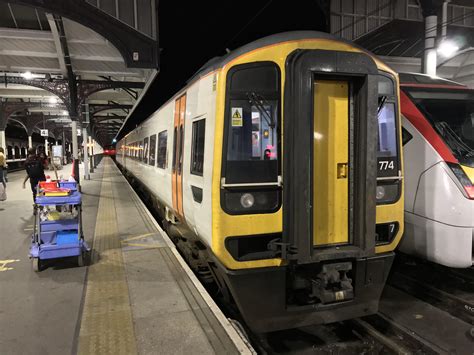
<point x="41" y="50"/>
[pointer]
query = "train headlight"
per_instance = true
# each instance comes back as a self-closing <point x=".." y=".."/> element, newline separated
<point x="380" y="192"/>
<point x="247" y="200"/>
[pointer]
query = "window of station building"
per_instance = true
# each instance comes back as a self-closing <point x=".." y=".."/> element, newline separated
<point x="197" y="153"/>
<point x="152" y="149"/>
<point x="144" y="151"/>
<point x="162" y="147"/>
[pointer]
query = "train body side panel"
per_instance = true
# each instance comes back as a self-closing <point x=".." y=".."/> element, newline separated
<point x="200" y="105"/>
<point x="419" y="156"/>
<point x="439" y="219"/>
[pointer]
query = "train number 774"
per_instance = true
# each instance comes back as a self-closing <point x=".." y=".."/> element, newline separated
<point x="386" y="165"/>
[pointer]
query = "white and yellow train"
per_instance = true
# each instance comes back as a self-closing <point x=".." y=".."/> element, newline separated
<point x="278" y="172"/>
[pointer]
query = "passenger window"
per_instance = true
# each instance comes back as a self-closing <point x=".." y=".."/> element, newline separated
<point x="162" y="144"/>
<point x="406" y="136"/>
<point x="144" y="151"/>
<point x="197" y="153"/>
<point x="175" y="136"/>
<point x="181" y="147"/>
<point x="151" y="158"/>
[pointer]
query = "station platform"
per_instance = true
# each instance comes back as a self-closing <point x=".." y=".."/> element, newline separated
<point x="136" y="297"/>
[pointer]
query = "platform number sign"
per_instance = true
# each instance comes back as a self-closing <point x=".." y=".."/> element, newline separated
<point x="387" y="166"/>
<point x="44" y="133"/>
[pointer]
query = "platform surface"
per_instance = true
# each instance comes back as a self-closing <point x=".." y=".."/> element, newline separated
<point x="137" y="296"/>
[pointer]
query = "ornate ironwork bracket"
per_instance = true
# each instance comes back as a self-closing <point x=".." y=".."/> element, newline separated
<point x="60" y="88"/>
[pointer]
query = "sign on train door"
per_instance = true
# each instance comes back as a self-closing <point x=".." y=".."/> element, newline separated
<point x="178" y="146"/>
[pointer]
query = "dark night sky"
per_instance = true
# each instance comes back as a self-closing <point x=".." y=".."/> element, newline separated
<point x="192" y="33"/>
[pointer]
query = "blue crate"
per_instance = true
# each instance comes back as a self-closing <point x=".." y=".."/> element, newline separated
<point x="67" y="237"/>
<point x="68" y="185"/>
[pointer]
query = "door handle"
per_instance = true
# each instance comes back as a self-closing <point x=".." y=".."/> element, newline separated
<point x="342" y="170"/>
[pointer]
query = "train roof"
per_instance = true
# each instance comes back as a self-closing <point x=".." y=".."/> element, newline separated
<point x="218" y="62"/>
<point x="424" y="80"/>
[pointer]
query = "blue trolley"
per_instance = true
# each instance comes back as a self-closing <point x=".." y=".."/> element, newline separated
<point x="62" y="236"/>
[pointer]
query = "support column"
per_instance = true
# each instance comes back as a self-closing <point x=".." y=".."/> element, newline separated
<point x="91" y="147"/>
<point x="3" y="141"/>
<point x="86" y="154"/>
<point x="429" y="62"/>
<point x="30" y="141"/>
<point x="63" y="142"/>
<point x="75" y="154"/>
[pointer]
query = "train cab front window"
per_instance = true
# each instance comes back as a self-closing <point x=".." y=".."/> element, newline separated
<point x="251" y="157"/>
<point x="388" y="161"/>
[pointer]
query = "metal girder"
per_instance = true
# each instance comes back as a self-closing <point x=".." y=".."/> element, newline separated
<point x="29" y="122"/>
<point x="98" y="119"/>
<point x="96" y="108"/>
<point x="61" y="88"/>
<point x="57" y="43"/>
<point x="137" y="49"/>
<point x="7" y="108"/>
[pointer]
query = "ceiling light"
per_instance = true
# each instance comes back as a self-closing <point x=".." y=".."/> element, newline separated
<point x="53" y="100"/>
<point x="447" y="48"/>
<point x="27" y="75"/>
<point x="65" y="113"/>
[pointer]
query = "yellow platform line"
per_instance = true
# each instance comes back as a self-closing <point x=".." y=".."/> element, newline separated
<point x="107" y="323"/>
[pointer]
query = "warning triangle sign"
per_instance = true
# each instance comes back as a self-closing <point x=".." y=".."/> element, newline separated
<point x="236" y="114"/>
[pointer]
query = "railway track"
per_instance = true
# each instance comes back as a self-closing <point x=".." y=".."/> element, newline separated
<point x="374" y="334"/>
<point x="451" y="290"/>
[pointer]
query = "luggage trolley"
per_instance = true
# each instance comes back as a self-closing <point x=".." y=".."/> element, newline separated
<point x="58" y="233"/>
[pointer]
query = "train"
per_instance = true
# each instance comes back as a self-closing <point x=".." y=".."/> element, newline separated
<point x="438" y="144"/>
<point x="277" y="171"/>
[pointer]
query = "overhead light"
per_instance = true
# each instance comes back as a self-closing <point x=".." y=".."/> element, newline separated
<point x="65" y="113"/>
<point x="114" y="140"/>
<point x="447" y="48"/>
<point x="53" y="100"/>
<point x="27" y="75"/>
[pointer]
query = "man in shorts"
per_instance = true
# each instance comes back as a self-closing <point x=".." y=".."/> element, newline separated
<point x="34" y="170"/>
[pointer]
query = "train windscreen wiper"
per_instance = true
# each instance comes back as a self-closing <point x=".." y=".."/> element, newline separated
<point x="382" y="100"/>
<point x="454" y="141"/>
<point x="259" y="102"/>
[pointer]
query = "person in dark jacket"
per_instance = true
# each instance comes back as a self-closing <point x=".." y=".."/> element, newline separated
<point x="34" y="170"/>
<point x="3" y="167"/>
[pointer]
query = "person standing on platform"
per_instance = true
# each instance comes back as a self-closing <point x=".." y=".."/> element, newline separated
<point x="3" y="167"/>
<point x="34" y="170"/>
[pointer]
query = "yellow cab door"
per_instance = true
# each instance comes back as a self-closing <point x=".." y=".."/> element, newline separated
<point x="331" y="163"/>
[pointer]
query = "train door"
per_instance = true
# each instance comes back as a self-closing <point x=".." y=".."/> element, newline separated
<point x="329" y="165"/>
<point x="330" y="162"/>
<point x="178" y="146"/>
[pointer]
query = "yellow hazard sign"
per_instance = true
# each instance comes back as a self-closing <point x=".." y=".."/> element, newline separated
<point x="237" y="117"/>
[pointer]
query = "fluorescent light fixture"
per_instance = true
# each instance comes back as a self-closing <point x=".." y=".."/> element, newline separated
<point x="447" y="48"/>
<point x="53" y="100"/>
<point x="27" y="75"/>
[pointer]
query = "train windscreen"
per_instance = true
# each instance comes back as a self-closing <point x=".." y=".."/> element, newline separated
<point x="451" y="113"/>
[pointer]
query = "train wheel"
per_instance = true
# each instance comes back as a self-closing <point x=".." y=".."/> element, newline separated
<point x="36" y="264"/>
<point x="80" y="260"/>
